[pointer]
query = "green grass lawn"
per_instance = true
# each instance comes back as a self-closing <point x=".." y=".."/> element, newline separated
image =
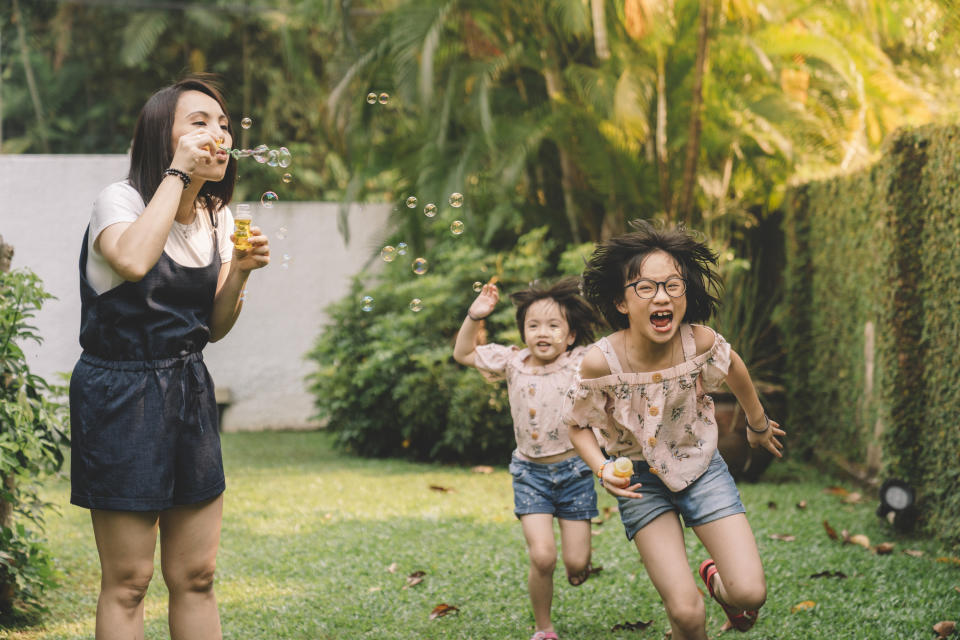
<point x="309" y="534"/>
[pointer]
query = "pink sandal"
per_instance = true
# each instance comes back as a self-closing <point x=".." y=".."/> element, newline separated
<point x="739" y="619"/>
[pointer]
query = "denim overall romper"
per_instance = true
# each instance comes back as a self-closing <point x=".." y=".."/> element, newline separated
<point x="144" y="422"/>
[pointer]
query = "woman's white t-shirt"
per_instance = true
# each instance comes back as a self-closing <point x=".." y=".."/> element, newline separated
<point x="189" y="245"/>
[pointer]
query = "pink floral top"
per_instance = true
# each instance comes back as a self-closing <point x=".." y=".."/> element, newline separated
<point x="662" y="417"/>
<point x="536" y="395"/>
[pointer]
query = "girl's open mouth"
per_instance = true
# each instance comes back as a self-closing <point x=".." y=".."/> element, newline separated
<point x="661" y="320"/>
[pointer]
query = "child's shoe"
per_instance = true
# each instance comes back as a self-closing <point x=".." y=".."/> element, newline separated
<point x="544" y="635"/>
<point x="739" y="619"/>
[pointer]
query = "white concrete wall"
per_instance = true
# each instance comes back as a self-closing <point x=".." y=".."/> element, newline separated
<point x="45" y="205"/>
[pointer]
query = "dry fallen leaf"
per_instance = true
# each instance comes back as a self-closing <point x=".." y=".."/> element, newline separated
<point x="372" y="589"/>
<point x="916" y="553"/>
<point x="830" y="531"/>
<point x="482" y="468"/>
<point x="853" y="498"/>
<point x="859" y="539"/>
<point x="836" y="491"/>
<point x="829" y="574"/>
<point x="945" y="628"/>
<point x="948" y="560"/>
<point x="414" y="579"/>
<point x="957" y="589"/>
<point x="883" y="548"/>
<point x="785" y="537"/>
<point x="800" y="606"/>
<point x="631" y="626"/>
<point x="436" y="487"/>
<point x="393" y="567"/>
<point x="443" y="609"/>
<point x="771" y="505"/>
<point x="802" y="504"/>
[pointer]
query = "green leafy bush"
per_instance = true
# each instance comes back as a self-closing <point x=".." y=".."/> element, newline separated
<point x="33" y="431"/>
<point x="387" y="383"/>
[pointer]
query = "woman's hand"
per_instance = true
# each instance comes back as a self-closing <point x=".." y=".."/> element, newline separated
<point x="257" y="256"/>
<point x="485" y="303"/>
<point x="195" y="149"/>
<point x="767" y="439"/>
<point x="617" y="486"/>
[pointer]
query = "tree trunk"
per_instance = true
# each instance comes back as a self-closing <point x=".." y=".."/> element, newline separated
<point x="567" y="167"/>
<point x="7" y="585"/>
<point x="685" y="210"/>
<point x="31" y="82"/>
<point x="661" y="136"/>
<point x="600" y="44"/>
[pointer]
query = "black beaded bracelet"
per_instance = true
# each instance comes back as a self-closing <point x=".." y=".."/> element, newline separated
<point x="476" y="319"/>
<point x="764" y="430"/>
<point x="180" y="174"/>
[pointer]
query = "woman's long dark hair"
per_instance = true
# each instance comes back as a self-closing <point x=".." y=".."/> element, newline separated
<point x="151" y="152"/>
<point x="580" y="316"/>
<point x="620" y="258"/>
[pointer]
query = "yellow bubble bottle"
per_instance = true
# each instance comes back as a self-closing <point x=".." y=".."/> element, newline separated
<point x="241" y="227"/>
<point x="623" y="467"/>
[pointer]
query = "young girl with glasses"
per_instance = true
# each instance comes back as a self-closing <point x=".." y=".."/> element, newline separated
<point x="642" y="395"/>
<point x="549" y="479"/>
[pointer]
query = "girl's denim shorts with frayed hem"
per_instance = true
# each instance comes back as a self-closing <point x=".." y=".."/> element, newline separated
<point x="712" y="496"/>
<point x="564" y="489"/>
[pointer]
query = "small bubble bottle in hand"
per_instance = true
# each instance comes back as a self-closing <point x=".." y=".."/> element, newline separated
<point x="241" y="227"/>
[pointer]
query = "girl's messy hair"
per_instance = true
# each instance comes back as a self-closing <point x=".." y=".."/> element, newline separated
<point x="617" y="261"/>
<point x="578" y="313"/>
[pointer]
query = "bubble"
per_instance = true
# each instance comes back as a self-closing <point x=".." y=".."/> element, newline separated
<point x="235" y="153"/>
<point x="402" y="248"/>
<point x="456" y="200"/>
<point x="430" y="210"/>
<point x="286" y="257"/>
<point x="281" y="233"/>
<point x="383" y="98"/>
<point x="371" y="98"/>
<point x="477" y="286"/>
<point x="411" y="202"/>
<point x="246" y="123"/>
<point x="284" y="157"/>
<point x="260" y="153"/>
<point x="244" y="153"/>
<point x="273" y="158"/>
<point x="456" y="227"/>
<point x="366" y="304"/>
<point x="285" y="265"/>
<point x="388" y="253"/>
<point x="416" y="305"/>
<point x="420" y="266"/>
<point x="288" y="178"/>
<point x="268" y="198"/>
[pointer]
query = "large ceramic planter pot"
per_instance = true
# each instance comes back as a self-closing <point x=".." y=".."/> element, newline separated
<point x="744" y="462"/>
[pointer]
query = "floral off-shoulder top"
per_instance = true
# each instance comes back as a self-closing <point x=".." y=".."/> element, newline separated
<point x="663" y="417"/>
<point x="536" y="394"/>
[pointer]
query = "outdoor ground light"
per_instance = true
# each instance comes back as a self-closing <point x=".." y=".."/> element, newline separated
<point x="897" y="503"/>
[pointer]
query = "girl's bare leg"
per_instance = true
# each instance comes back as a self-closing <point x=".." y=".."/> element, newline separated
<point x="189" y="538"/>
<point x="126" y="542"/>
<point x="661" y="548"/>
<point x="739" y="581"/>
<point x="538" y="530"/>
<point x="575" y="545"/>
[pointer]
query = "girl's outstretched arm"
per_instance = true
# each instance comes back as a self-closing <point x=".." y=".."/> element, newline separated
<point x="483" y="306"/>
<point x="738" y="379"/>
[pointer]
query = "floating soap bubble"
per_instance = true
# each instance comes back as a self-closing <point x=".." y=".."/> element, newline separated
<point x="281" y="233"/>
<point x="285" y="265"/>
<point x="366" y="304"/>
<point x="287" y="178"/>
<point x="416" y="305"/>
<point x="383" y="98"/>
<point x="477" y="286"/>
<point x="430" y="210"/>
<point x="420" y="266"/>
<point x="388" y="253"/>
<point x="286" y="257"/>
<point x="244" y="153"/>
<point x="456" y="227"/>
<point x="456" y="200"/>
<point x="371" y="98"/>
<point x="246" y="123"/>
<point x="260" y="153"/>
<point x="411" y="202"/>
<point x="273" y="158"/>
<point x="402" y="248"/>
<point x="284" y="157"/>
<point x="235" y="153"/>
<point x="268" y="198"/>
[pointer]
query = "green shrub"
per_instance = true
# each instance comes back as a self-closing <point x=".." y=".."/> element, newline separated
<point x="387" y="383"/>
<point x="33" y="430"/>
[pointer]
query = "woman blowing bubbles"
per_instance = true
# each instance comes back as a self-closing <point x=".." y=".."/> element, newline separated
<point x="159" y="278"/>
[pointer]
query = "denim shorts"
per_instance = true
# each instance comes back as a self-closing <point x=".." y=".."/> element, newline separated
<point x="712" y="496"/>
<point x="564" y="489"/>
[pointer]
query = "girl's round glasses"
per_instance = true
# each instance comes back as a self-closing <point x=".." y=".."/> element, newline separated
<point x="646" y="288"/>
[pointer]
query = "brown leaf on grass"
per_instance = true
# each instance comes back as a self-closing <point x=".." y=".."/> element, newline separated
<point x="639" y="625"/>
<point x="859" y="539"/>
<point x="436" y="487"/>
<point x="800" y="606"/>
<point x="443" y="609"/>
<point x="393" y="567"/>
<point x="852" y="498"/>
<point x="884" y="548"/>
<point x="830" y="531"/>
<point x="594" y="570"/>
<point x="771" y="505"/>
<point x="802" y="504"/>
<point x="374" y="589"/>
<point x="414" y="579"/>
<point x="482" y="468"/>
<point x="784" y="537"/>
<point x="836" y="491"/>
<point x="829" y="574"/>
<point x="915" y="553"/>
<point x="957" y="589"/>
<point x="945" y="628"/>
<point x="948" y="560"/>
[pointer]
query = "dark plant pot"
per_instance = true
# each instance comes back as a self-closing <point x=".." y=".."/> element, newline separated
<point x="744" y="462"/>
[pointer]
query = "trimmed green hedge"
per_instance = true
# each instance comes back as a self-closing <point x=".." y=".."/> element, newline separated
<point x="874" y="258"/>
